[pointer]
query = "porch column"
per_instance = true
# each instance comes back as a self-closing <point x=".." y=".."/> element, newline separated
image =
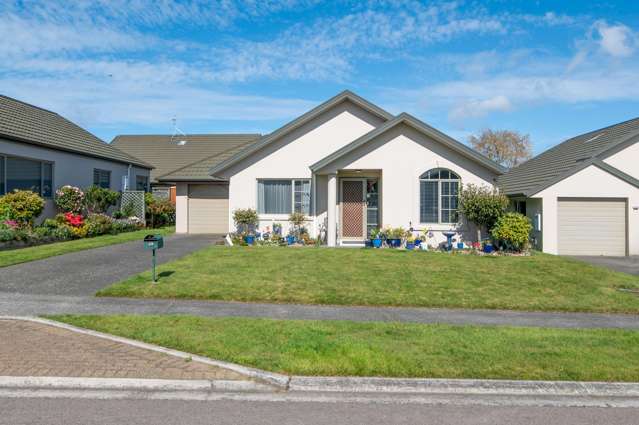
<point x="331" y="210"/>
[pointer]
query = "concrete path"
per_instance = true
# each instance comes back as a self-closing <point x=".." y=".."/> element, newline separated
<point x="83" y="273"/>
<point x="32" y="305"/>
<point x="621" y="264"/>
<point x="34" y="349"/>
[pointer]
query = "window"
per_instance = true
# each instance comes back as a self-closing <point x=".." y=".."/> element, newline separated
<point x="142" y="183"/>
<point x="520" y="207"/>
<point x="283" y="196"/>
<point x="438" y="196"/>
<point x="372" y="205"/>
<point x="26" y="174"/>
<point x="102" y="178"/>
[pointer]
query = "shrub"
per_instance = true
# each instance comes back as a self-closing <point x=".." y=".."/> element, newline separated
<point x="69" y="199"/>
<point x="98" y="224"/>
<point x="98" y="200"/>
<point x="482" y="206"/>
<point x="512" y="230"/>
<point x="159" y="212"/>
<point x="297" y="219"/>
<point x="7" y="234"/>
<point x="22" y="206"/>
<point x="125" y="225"/>
<point x="246" y="220"/>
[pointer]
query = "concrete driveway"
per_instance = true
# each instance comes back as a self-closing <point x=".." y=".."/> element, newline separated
<point x="83" y="273"/>
<point x="621" y="264"/>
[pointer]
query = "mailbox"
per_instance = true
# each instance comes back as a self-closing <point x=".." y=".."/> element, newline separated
<point x="153" y="242"/>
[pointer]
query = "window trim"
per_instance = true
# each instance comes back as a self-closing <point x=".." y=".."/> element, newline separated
<point x="292" y="180"/>
<point x="4" y="157"/>
<point x="100" y="170"/>
<point x="439" y="194"/>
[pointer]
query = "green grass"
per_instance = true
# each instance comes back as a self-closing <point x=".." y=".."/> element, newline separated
<point x="387" y="278"/>
<point x="330" y="348"/>
<point x="23" y="255"/>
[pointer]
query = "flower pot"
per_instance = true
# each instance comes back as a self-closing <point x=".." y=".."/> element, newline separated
<point x="290" y="240"/>
<point x="395" y="243"/>
<point x="488" y="248"/>
<point x="460" y="245"/>
<point x="250" y="240"/>
<point x="410" y="246"/>
<point x="377" y="242"/>
<point x="418" y="242"/>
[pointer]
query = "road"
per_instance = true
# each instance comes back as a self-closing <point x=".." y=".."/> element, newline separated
<point x="60" y="411"/>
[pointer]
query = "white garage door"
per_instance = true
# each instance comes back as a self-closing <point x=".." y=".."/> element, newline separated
<point x="592" y="227"/>
<point x="208" y="208"/>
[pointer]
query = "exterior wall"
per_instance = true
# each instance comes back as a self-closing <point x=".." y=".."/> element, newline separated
<point x="591" y="182"/>
<point x="626" y="160"/>
<point x="403" y="155"/>
<point x="181" y="208"/>
<point x="69" y="168"/>
<point x="291" y="156"/>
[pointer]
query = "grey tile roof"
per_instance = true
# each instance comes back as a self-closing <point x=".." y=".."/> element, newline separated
<point x="27" y="123"/>
<point x="568" y="157"/>
<point x="167" y="154"/>
<point x="200" y="170"/>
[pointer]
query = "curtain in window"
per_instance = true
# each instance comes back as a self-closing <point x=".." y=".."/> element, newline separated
<point x="23" y="174"/>
<point x="303" y="196"/>
<point x="428" y="205"/>
<point x="274" y="196"/>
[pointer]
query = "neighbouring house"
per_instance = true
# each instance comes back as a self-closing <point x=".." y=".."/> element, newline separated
<point x="347" y="164"/>
<point x="42" y="151"/>
<point x="168" y="153"/>
<point x="583" y="194"/>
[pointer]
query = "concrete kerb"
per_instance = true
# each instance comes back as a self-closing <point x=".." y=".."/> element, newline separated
<point x="266" y="381"/>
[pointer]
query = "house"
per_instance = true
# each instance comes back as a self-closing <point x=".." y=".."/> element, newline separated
<point x="347" y="164"/>
<point x="583" y="194"/>
<point x="42" y="151"/>
<point x="168" y="153"/>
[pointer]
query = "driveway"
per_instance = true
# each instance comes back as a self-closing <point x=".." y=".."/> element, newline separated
<point x="621" y="264"/>
<point x="83" y="273"/>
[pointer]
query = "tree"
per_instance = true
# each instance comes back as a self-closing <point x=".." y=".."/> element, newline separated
<point x="482" y="206"/>
<point x="508" y="148"/>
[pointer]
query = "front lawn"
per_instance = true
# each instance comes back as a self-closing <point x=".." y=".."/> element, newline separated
<point x="332" y="348"/>
<point x="387" y="278"/>
<point x="23" y="255"/>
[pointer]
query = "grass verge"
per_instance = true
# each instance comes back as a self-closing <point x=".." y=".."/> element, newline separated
<point x="333" y="348"/>
<point x="387" y="278"/>
<point x="23" y="255"/>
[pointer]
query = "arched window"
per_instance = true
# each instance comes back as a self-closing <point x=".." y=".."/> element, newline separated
<point x="438" y="196"/>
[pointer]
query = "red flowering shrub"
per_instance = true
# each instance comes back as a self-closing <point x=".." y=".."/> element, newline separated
<point x="74" y="220"/>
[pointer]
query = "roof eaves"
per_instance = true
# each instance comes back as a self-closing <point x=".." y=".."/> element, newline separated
<point x="298" y="122"/>
<point x="616" y="172"/>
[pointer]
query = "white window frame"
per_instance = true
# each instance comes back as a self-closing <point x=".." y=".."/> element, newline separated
<point x="309" y="180"/>
<point x="439" y="195"/>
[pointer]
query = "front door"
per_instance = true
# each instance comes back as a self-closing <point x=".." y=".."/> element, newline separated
<point x="353" y="208"/>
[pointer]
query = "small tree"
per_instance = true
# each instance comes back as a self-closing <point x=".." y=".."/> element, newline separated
<point x="482" y="206"/>
<point x="22" y="206"/>
<point x="246" y="220"/>
<point x="98" y="199"/>
<point x="513" y="230"/>
<point x="509" y="148"/>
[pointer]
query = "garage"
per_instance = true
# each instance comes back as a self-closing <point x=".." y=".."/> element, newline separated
<point x="596" y="226"/>
<point x="208" y="208"/>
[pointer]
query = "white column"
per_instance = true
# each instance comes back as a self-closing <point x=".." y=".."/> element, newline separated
<point x="181" y="208"/>
<point x="331" y="210"/>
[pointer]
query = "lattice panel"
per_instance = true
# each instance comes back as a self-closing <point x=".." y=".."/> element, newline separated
<point x="136" y="197"/>
<point x="352" y="209"/>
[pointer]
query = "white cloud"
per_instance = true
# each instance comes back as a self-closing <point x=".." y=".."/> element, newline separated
<point x="616" y="40"/>
<point x="479" y="108"/>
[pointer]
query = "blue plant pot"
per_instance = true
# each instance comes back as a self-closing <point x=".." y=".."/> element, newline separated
<point x="460" y="245"/>
<point x="488" y="249"/>
<point x="250" y="240"/>
<point x="418" y="242"/>
<point x="377" y="243"/>
<point x="395" y="243"/>
<point x="410" y="245"/>
<point x="290" y="240"/>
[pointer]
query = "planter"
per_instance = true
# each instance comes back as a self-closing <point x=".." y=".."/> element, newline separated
<point x="250" y="240"/>
<point x="410" y="246"/>
<point x="418" y="243"/>
<point x="395" y="243"/>
<point x="377" y="243"/>
<point x="488" y="248"/>
<point x="460" y="245"/>
<point x="290" y="240"/>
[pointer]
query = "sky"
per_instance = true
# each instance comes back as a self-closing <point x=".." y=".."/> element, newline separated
<point x="550" y="69"/>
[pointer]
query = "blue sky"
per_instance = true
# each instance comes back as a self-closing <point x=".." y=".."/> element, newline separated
<point x="550" y="69"/>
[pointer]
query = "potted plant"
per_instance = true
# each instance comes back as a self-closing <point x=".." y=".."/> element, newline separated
<point x="488" y="246"/>
<point x="395" y="237"/>
<point x="246" y="220"/>
<point x="410" y="241"/>
<point x="376" y="238"/>
<point x="297" y="220"/>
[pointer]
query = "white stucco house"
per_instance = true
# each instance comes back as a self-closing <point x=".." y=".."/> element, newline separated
<point x="583" y="194"/>
<point x="347" y="164"/>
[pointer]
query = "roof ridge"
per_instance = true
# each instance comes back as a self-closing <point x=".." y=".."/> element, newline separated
<point x="188" y="134"/>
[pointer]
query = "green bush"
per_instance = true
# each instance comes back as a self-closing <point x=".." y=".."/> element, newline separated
<point x="7" y="234"/>
<point x="159" y="212"/>
<point x="98" y="199"/>
<point x="482" y="206"/>
<point x="512" y="231"/>
<point x="69" y="199"/>
<point x="246" y="220"/>
<point x="22" y="206"/>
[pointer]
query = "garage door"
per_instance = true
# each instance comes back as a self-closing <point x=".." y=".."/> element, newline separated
<point x="208" y="208"/>
<point x="592" y="227"/>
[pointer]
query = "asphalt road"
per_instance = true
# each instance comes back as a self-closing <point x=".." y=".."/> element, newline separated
<point x="161" y="412"/>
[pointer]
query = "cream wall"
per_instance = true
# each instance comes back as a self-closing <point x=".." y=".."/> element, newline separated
<point x="591" y="182"/>
<point x="292" y="155"/>
<point x="403" y="154"/>
<point x="181" y="207"/>
<point x="627" y="160"/>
